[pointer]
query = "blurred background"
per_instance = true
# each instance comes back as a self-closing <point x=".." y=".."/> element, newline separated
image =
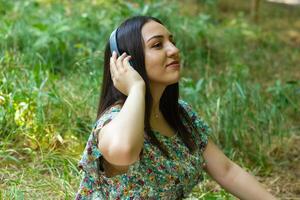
<point x="241" y="73"/>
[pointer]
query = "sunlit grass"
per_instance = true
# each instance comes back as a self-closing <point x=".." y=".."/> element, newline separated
<point x="46" y="176"/>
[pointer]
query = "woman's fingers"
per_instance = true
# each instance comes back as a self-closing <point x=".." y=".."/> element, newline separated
<point x="118" y="65"/>
<point x="126" y="63"/>
<point x="113" y="67"/>
<point x="120" y="61"/>
<point x="122" y="73"/>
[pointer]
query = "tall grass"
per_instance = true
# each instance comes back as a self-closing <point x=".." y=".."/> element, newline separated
<point x="51" y="56"/>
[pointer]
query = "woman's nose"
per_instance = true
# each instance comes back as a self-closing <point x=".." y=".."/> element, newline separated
<point x="172" y="49"/>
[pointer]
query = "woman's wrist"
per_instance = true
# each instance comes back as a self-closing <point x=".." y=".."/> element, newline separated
<point x="140" y="87"/>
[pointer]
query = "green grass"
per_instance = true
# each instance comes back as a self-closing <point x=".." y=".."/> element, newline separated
<point x="46" y="176"/>
<point x="241" y="77"/>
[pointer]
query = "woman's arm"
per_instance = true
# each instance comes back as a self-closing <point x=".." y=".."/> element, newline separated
<point x="231" y="176"/>
<point x="121" y="140"/>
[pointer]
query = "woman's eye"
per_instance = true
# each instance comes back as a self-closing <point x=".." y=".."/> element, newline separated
<point x="157" y="45"/>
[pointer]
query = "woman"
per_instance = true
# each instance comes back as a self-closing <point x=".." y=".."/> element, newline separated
<point x="147" y="144"/>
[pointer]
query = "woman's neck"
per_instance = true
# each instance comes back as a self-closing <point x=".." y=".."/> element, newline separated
<point x="156" y="92"/>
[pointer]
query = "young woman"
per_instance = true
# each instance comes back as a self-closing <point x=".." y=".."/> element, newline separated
<point x="146" y="143"/>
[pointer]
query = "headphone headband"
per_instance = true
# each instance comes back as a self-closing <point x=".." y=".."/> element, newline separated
<point x="114" y="45"/>
<point x="113" y="42"/>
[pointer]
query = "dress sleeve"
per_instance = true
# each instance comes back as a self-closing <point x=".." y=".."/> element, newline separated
<point x="203" y="130"/>
<point x="89" y="162"/>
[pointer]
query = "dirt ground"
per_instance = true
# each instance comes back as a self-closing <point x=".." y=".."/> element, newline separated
<point x="284" y="181"/>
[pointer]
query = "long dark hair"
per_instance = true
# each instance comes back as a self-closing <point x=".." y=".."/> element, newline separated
<point x="129" y="39"/>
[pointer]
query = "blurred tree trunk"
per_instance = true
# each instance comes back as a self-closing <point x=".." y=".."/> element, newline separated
<point x="255" y="10"/>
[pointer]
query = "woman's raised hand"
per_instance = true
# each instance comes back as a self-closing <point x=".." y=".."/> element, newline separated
<point x="123" y="75"/>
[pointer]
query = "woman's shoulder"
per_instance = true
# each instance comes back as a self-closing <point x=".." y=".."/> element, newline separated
<point x="198" y="121"/>
<point x="193" y="113"/>
<point x="109" y="113"/>
<point x="185" y="105"/>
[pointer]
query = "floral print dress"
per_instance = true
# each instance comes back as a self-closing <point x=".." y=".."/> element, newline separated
<point x="153" y="176"/>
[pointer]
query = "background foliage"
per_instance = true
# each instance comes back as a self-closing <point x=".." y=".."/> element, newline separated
<point x="241" y="76"/>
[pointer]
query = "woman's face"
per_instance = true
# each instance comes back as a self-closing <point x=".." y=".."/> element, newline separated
<point x="160" y="50"/>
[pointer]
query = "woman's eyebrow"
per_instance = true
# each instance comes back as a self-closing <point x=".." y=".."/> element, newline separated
<point x="159" y="36"/>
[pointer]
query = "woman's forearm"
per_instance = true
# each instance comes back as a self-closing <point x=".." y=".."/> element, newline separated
<point x="125" y="133"/>
<point x="243" y="185"/>
<point x="231" y="176"/>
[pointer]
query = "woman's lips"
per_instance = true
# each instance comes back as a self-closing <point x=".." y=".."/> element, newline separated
<point x="174" y="64"/>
